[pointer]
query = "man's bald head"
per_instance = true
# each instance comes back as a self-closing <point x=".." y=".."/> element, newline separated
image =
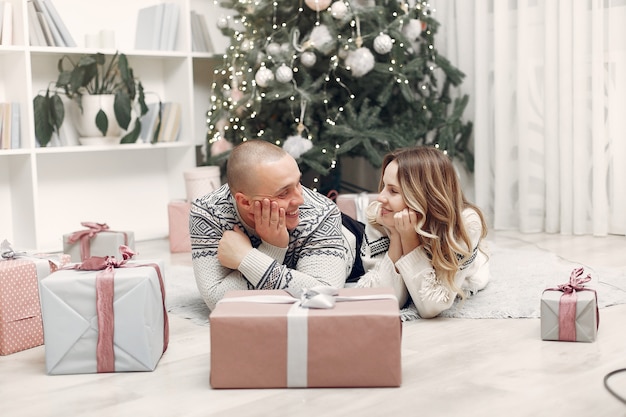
<point x="243" y="162"/>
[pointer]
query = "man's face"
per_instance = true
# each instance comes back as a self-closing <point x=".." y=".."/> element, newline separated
<point x="279" y="182"/>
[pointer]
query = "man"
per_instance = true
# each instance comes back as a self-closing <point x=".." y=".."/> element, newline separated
<point x="264" y="230"/>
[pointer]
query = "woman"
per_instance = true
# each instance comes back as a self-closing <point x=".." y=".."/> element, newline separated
<point x="424" y="238"/>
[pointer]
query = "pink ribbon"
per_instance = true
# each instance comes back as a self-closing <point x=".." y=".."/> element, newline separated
<point x="567" y="304"/>
<point x="85" y="237"/>
<point x="105" y="292"/>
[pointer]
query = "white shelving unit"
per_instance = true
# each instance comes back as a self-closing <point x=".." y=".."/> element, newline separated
<point x="46" y="192"/>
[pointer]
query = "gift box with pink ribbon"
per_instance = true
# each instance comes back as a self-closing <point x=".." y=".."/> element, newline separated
<point x="96" y="240"/>
<point x="104" y="315"/>
<point x="178" y="215"/>
<point x="569" y="312"/>
<point x="20" y="310"/>
<point x="322" y="337"/>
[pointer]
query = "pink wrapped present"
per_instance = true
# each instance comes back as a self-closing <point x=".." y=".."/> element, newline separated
<point x="20" y="310"/>
<point x="570" y="312"/>
<point x="178" y="214"/>
<point x="96" y="240"/>
<point x="104" y="315"/>
<point x="354" y="205"/>
<point x="270" y="339"/>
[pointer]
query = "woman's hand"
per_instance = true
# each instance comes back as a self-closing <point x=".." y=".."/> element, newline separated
<point x="405" y="222"/>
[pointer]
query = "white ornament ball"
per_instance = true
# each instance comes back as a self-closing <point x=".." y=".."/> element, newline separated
<point x="413" y="29"/>
<point x="297" y="145"/>
<point x="264" y="77"/>
<point x="361" y="61"/>
<point x="285" y="48"/>
<point x="339" y="10"/>
<point x="321" y="39"/>
<point x="308" y="59"/>
<point x="383" y="43"/>
<point x="273" y="48"/>
<point x="317" y="5"/>
<point x="222" y="22"/>
<point x="284" y="74"/>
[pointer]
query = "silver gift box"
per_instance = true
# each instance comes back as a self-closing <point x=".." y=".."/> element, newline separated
<point x="70" y="322"/>
<point x="586" y="315"/>
<point x="102" y="244"/>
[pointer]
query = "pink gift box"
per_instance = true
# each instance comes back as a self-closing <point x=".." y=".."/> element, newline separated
<point x="178" y="214"/>
<point x="266" y="345"/>
<point x="351" y="203"/>
<point x="20" y="311"/>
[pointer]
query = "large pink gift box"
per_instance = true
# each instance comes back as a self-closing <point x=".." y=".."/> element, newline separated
<point x="276" y="345"/>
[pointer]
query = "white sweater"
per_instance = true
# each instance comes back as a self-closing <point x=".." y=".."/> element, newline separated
<point x="413" y="274"/>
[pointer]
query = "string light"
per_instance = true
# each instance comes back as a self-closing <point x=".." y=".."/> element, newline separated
<point x="241" y="95"/>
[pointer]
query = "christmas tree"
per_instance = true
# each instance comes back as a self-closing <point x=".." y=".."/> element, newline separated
<point x="325" y="79"/>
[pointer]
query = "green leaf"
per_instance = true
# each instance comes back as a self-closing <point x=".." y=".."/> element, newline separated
<point x="122" y="107"/>
<point x="102" y="122"/>
<point x="57" y="111"/>
<point x="43" y="129"/>
<point x="131" y="137"/>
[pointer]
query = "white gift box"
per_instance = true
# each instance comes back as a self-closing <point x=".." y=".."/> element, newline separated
<point x="70" y="321"/>
<point x="104" y="243"/>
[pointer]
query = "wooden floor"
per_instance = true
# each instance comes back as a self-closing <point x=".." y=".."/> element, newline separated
<point x="451" y="367"/>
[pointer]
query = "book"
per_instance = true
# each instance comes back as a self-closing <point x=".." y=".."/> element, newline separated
<point x="58" y="39"/>
<point x="149" y="123"/>
<point x="204" y="31"/>
<point x="165" y="113"/>
<point x="15" y="126"/>
<point x="5" y="136"/>
<point x="197" y="41"/>
<point x="1" y="18"/>
<point x="46" y="29"/>
<point x="169" y="27"/>
<point x="7" y="23"/>
<point x="66" y="36"/>
<point x="149" y="22"/>
<point x="171" y="124"/>
<point x="35" y="33"/>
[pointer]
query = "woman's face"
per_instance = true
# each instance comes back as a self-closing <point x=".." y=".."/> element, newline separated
<point x="390" y="196"/>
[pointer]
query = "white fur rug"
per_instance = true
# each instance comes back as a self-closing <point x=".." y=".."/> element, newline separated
<point x="518" y="278"/>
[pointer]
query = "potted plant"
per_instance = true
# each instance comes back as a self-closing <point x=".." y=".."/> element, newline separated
<point x="92" y="75"/>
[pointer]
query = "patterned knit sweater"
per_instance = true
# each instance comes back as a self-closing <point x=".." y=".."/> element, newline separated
<point x="413" y="277"/>
<point x="317" y="253"/>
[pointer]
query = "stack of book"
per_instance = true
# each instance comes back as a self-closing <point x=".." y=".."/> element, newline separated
<point x="45" y="27"/>
<point x="161" y="123"/>
<point x="157" y="27"/>
<point x="10" y="125"/>
<point x="200" y="39"/>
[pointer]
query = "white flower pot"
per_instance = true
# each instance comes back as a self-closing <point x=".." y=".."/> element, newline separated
<point x="86" y="121"/>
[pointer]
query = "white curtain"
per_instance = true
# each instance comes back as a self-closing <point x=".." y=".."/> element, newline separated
<point x="547" y="87"/>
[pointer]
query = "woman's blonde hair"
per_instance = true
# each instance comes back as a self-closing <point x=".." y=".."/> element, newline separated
<point x="430" y="186"/>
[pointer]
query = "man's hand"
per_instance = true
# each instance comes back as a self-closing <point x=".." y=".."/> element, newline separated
<point x="269" y="221"/>
<point x="233" y="247"/>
